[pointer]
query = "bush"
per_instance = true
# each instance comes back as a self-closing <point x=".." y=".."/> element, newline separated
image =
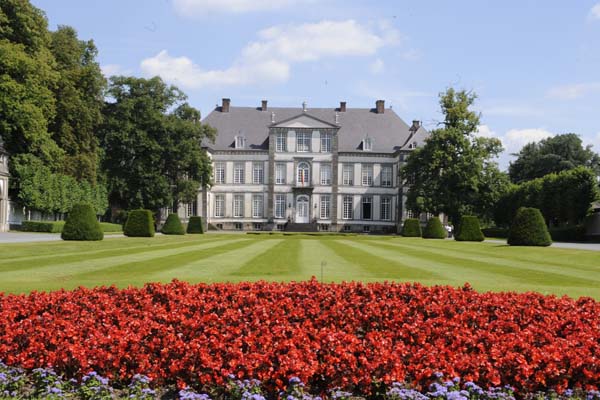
<point x="529" y="229"/>
<point x="139" y="224"/>
<point x="42" y="226"/>
<point x="495" y="232"/>
<point x="173" y="226"/>
<point x="195" y="225"/>
<point x="469" y="230"/>
<point x="411" y="228"/>
<point x="568" y="234"/>
<point x="81" y="224"/>
<point x="434" y="229"/>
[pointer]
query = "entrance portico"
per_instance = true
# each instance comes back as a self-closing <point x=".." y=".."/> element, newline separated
<point x="302" y="209"/>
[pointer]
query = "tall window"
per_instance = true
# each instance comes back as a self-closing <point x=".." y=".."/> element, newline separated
<point x="238" y="205"/>
<point x="348" y="175"/>
<point x="303" y="141"/>
<point x="303" y="175"/>
<point x="238" y="172"/>
<point x="326" y="142"/>
<point x="280" y="174"/>
<point x="220" y="205"/>
<point x="240" y="142"/>
<point x="220" y="172"/>
<point x="386" y="176"/>
<point x="368" y="144"/>
<point x="386" y="208"/>
<point x="258" y="173"/>
<point x="281" y="142"/>
<point x="325" y="174"/>
<point x="348" y="207"/>
<point x="190" y="209"/>
<point x="257" y="206"/>
<point x="325" y="207"/>
<point x="280" y="206"/>
<point x="367" y="175"/>
<point x="367" y="207"/>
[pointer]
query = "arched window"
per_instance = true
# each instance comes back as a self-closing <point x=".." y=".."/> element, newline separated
<point x="303" y="174"/>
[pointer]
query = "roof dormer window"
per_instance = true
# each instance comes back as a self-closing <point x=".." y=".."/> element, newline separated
<point x="367" y="144"/>
<point x="240" y="142"/>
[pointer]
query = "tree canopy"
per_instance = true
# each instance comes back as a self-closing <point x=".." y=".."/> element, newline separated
<point x="454" y="171"/>
<point x="551" y="155"/>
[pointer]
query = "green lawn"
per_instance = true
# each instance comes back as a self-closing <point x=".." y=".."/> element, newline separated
<point x="211" y="258"/>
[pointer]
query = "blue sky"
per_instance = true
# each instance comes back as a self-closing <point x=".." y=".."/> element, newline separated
<point x="535" y="65"/>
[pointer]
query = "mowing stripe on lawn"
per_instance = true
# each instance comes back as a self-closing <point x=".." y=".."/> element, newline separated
<point x="378" y="266"/>
<point x="336" y="268"/>
<point x="499" y="265"/>
<point x="281" y="259"/>
<point x="215" y="268"/>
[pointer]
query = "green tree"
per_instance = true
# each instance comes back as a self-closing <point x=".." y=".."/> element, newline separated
<point x="554" y="154"/>
<point x="454" y="171"/>
<point x="79" y="102"/>
<point x="151" y="141"/>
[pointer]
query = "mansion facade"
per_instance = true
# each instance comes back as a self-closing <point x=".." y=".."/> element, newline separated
<point x="328" y="169"/>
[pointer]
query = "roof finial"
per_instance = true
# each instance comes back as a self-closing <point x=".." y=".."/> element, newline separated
<point x="272" y="117"/>
<point x="337" y="118"/>
<point x="304" y="106"/>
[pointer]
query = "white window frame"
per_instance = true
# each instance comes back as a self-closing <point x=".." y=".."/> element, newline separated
<point x="220" y="172"/>
<point x="385" y="210"/>
<point x="240" y="142"/>
<point x="347" y="207"/>
<point x="387" y="181"/>
<point x="281" y="142"/>
<point x="239" y="173"/>
<point x="326" y="139"/>
<point x="258" y="173"/>
<point x="219" y="206"/>
<point x="238" y="206"/>
<point x="303" y="140"/>
<point x="366" y="200"/>
<point x="280" y="205"/>
<point x="366" y="174"/>
<point x="303" y="174"/>
<point x="257" y="206"/>
<point x="367" y="144"/>
<point x="280" y="173"/>
<point x="325" y="207"/>
<point x="348" y="175"/>
<point x="326" y="174"/>
<point x="189" y="209"/>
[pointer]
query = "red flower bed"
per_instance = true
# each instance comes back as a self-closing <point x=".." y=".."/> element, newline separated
<point x="328" y="335"/>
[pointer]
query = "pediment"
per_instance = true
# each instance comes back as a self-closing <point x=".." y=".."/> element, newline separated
<point x="303" y="121"/>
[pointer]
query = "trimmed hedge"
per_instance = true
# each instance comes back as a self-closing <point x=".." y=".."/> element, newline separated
<point x="495" y="232"/>
<point x="568" y="234"/>
<point x="412" y="228"/>
<point x="470" y="231"/>
<point x="81" y="224"/>
<point x="42" y="226"/>
<point x="139" y="224"/>
<point x="434" y="229"/>
<point x="529" y="229"/>
<point x="107" y="227"/>
<point x="173" y="226"/>
<point x="195" y="225"/>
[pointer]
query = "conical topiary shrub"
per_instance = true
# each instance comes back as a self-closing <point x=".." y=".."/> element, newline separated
<point x="195" y="225"/>
<point x="139" y="224"/>
<point x="434" y="229"/>
<point x="411" y="228"/>
<point x="529" y="229"/>
<point x="173" y="226"/>
<point x="470" y="231"/>
<point x="81" y="224"/>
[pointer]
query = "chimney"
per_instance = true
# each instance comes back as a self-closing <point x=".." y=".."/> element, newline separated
<point x="303" y="106"/>
<point x="415" y="126"/>
<point x="379" y="106"/>
<point x="263" y="107"/>
<point x="225" y="106"/>
<point x="342" y="106"/>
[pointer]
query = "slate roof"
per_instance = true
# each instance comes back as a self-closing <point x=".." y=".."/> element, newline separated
<point x="388" y="131"/>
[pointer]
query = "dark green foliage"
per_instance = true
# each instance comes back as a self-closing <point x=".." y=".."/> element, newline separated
<point x="470" y="230"/>
<point x="173" y="226"/>
<point x="568" y="234"/>
<point x="495" y="232"/>
<point x="81" y="224"/>
<point x="195" y="225"/>
<point x="42" y="226"/>
<point x="434" y="229"/>
<point x="529" y="229"/>
<point x="411" y="228"/>
<point x="139" y="224"/>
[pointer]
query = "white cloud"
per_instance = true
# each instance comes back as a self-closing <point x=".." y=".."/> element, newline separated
<point x="515" y="139"/>
<point x="202" y="7"/>
<point x="411" y="55"/>
<point x="485" y="131"/>
<point x="574" y="91"/>
<point x="377" y="66"/>
<point x="109" y="70"/>
<point x="512" y="111"/>
<point x="270" y="58"/>
<point x="595" y="12"/>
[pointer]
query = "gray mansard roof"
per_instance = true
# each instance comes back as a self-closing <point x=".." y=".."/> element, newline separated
<point x="387" y="130"/>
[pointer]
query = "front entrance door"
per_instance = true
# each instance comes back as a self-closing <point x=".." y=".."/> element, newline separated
<point x="302" y="209"/>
